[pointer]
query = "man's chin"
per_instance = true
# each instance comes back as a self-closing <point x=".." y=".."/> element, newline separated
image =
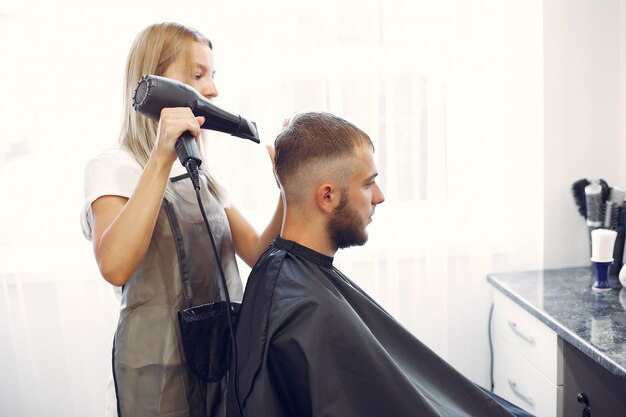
<point x="343" y="243"/>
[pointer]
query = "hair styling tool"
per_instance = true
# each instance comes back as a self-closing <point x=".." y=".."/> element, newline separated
<point x="613" y="208"/>
<point x="593" y="202"/>
<point x="154" y="93"/>
<point x="617" y="195"/>
<point x="610" y="215"/>
<point x="606" y="189"/>
<point x="578" y="190"/>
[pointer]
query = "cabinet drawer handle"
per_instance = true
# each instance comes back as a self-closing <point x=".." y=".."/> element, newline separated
<point x="526" y="399"/>
<point x="518" y="332"/>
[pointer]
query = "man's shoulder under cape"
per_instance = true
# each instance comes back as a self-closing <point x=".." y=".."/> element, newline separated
<point x="311" y="343"/>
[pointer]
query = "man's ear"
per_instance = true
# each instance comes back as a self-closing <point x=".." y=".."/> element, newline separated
<point x="327" y="197"/>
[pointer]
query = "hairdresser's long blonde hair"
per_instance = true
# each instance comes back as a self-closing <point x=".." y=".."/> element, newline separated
<point x="153" y="51"/>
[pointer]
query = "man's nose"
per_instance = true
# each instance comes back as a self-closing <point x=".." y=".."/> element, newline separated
<point x="379" y="197"/>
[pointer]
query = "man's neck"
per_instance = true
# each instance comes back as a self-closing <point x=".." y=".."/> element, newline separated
<point x="309" y="234"/>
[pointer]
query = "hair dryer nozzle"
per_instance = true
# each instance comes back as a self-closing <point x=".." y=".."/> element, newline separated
<point x="247" y="130"/>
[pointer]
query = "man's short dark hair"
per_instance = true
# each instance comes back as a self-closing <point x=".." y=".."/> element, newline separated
<point x="315" y="136"/>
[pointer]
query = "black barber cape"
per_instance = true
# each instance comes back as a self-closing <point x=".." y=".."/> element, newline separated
<point x="312" y="343"/>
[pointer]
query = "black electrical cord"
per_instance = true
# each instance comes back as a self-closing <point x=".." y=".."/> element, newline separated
<point x="192" y="170"/>
<point x="490" y="349"/>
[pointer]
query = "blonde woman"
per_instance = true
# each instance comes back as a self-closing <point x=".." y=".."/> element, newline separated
<point x="149" y="239"/>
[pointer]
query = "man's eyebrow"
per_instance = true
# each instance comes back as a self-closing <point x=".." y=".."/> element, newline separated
<point x="371" y="177"/>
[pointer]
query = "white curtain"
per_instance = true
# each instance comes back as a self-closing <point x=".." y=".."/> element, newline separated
<point x="450" y="92"/>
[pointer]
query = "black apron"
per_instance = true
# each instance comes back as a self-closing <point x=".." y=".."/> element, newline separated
<point x="179" y="271"/>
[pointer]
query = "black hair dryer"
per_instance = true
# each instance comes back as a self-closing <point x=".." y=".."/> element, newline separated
<point x="154" y="93"/>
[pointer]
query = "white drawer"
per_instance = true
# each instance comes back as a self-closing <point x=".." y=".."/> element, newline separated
<point x="528" y="336"/>
<point x="517" y="381"/>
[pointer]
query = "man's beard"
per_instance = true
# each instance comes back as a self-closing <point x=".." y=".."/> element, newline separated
<point x="345" y="227"/>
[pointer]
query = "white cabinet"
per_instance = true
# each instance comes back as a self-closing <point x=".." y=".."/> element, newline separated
<point x="556" y="341"/>
<point x="528" y="360"/>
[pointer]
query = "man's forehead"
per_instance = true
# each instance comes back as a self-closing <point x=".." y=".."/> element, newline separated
<point x="365" y="154"/>
<point x="362" y="166"/>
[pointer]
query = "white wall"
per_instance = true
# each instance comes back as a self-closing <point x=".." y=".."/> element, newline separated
<point x="584" y="115"/>
<point x="622" y="112"/>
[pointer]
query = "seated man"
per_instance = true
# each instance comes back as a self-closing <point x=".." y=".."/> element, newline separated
<point x="309" y="341"/>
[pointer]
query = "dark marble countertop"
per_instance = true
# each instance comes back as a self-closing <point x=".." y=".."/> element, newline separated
<point x="593" y="322"/>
